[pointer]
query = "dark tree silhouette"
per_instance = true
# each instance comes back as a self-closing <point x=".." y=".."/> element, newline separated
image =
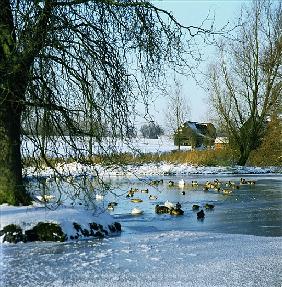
<point x="62" y="60"/>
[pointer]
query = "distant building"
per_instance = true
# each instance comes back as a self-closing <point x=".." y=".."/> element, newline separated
<point x="195" y="134"/>
<point x="221" y="142"/>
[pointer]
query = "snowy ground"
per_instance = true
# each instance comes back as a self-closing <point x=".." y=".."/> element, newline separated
<point x="63" y="147"/>
<point x="156" y="259"/>
<point x="172" y="258"/>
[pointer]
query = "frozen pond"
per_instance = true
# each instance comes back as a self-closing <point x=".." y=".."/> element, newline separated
<point x="251" y="209"/>
<point x="237" y="244"/>
<point x="154" y="259"/>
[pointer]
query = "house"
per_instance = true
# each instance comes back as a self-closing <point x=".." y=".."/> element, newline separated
<point x="221" y="142"/>
<point x="195" y="134"/>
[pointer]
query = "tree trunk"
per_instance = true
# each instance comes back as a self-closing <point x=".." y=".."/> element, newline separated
<point x="244" y="155"/>
<point x="13" y="83"/>
<point x="12" y="190"/>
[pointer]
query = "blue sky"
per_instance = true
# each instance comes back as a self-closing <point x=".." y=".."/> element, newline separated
<point x="193" y="13"/>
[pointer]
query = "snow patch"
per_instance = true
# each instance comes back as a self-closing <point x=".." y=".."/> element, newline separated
<point x="28" y="216"/>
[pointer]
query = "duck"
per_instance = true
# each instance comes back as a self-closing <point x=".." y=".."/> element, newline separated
<point x="230" y="184"/>
<point x="145" y="190"/>
<point x="176" y="211"/>
<point x="195" y="207"/>
<point x="130" y="193"/>
<point x="194" y="183"/>
<point x="171" y="183"/>
<point x="217" y="181"/>
<point x="251" y="182"/>
<point x="209" y="206"/>
<point x="226" y="191"/>
<point x="99" y="197"/>
<point x="169" y="204"/>
<point x="243" y="181"/>
<point x="136" y="200"/>
<point x="183" y="192"/>
<point x="111" y="205"/>
<point x="156" y="182"/>
<point x="209" y="185"/>
<point x="110" y="208"/>
<point x="153" y="197"/>
<point x="160" y="209"/>
<point x="200" y="214"/>
<point x="177" y="205"/>
<point x="136" y="211"/>
<point x="181" y="183"/>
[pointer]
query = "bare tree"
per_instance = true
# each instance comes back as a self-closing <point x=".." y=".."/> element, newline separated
<point x="245" y="83"/>
<point x="52" y="52"/>
<point x="178" y="110"/>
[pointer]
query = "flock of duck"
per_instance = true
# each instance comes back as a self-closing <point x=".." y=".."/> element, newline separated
<point x="226" y="188"/>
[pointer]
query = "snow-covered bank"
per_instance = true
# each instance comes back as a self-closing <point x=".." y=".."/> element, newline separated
<point x="59" y="146"/>
<point x="27" y="217"/>
<point x="157" y="259"/>
<point x="162" y="168"/>
<point x="186" y="169"/>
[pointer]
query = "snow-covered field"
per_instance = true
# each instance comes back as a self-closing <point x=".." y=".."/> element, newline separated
<point x="156" y="259"/>
<point x="63" y="147"/>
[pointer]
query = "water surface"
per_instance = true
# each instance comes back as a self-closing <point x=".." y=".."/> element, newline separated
<point x="251" y="209"/>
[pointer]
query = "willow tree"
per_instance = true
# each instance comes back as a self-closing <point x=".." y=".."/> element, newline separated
<point x="52" y="54"/>
<point x="245" y="83"/>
